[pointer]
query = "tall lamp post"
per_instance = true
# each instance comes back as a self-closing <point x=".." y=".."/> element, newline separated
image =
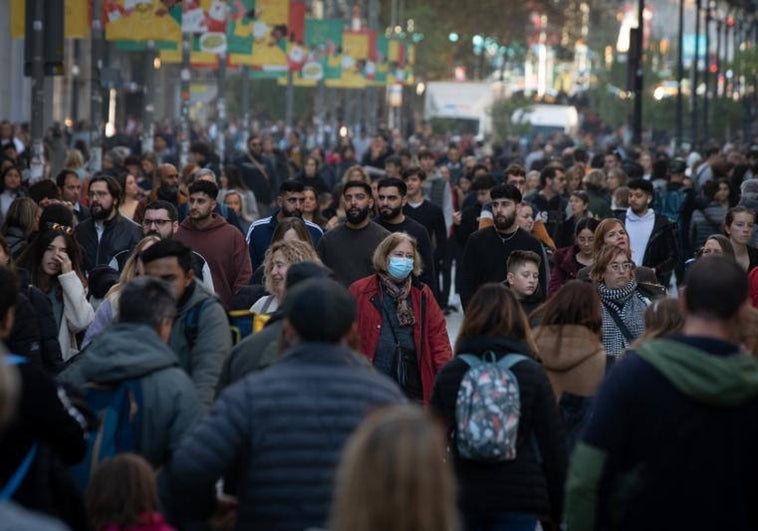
<point x="680" y="77"/>
<point x="638" y="81"/>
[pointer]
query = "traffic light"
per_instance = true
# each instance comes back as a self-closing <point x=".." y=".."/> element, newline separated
<point x="53" y="16"/>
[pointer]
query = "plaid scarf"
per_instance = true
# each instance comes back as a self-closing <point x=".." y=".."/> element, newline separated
<point x="399" y="292"/>
<point x="629" y="305"/>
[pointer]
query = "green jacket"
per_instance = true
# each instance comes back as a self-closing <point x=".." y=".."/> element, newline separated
<point x="632" y="424"/>
<point x="254" y="353"/>
<point x="135" y="351"/>
<point x="213" y="341"/>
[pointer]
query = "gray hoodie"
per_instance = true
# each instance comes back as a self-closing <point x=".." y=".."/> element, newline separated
<point x="170" y="403"/>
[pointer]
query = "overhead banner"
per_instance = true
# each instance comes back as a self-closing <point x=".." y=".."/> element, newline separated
<point x="358" y="47"/>
<point x="323" y="41"/>
<point x="76" y="23"/>
<point x="142" y="20"/>
<point x="268" y="38"/>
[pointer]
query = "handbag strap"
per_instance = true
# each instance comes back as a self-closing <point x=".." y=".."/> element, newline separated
<point x="621" y="325"/>
<point x="389" y="322"/>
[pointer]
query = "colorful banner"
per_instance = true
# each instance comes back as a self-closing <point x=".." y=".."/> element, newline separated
<point x="141" y="20"/>
<point x="270" y="31"/>
<point x="76" y="21"/>
<point x="358" y="47"/>
<point x="323" y="41"/>
<point x="239" y="27"/>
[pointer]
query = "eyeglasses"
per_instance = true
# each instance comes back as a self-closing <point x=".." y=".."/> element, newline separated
<point x="617" y="267"/>
<point x="156" y="222"/>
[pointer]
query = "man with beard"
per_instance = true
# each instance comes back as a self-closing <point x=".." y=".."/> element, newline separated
<point x="391" y="200"/>
<point x="258" y="173"/>
<point x="487" y="250"/>
<point x="166" y="189"/>
<point x="161" y="219"/>
<point x="652" y="237"/>
<point x="348" y="249"/>
<point x="291" y="199"/>
<point x="222" y="245"/>
<point x="71" y="187"/>
<point x="107" y="232"/>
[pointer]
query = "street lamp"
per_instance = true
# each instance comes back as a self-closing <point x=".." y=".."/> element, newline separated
<point x="453" y="37"/>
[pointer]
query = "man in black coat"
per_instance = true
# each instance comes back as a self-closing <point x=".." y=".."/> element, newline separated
<point x="107" y="232"/>
<point x="652" y="237"/>
<point x="278" y="434"/>
<point x="681" y="454"/>
<point x="487" y="250"/>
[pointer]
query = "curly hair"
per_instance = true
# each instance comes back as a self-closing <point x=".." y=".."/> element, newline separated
<point x="293" y="251"/>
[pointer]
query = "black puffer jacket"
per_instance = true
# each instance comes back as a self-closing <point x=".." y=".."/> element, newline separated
<point x="662" y="252"/>
<point x="35" y="332"/>
<point x="120" y="234"/>
<point x="280" y="432"/>
<point x="533" y="482"/>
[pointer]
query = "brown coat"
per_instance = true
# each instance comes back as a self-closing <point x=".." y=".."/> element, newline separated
<point x="573" y="358"/>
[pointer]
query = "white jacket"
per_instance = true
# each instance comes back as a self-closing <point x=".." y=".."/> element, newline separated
<point x="77" y="313"/>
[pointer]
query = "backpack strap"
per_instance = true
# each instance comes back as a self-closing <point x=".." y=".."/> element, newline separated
<point x="509" y="360"/>
<point x="10" y="488"/>
<point x="192" y="321"/>
<point x="470" y="359"/>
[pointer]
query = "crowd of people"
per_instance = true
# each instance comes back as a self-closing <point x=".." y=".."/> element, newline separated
<point x="261" y="342"/>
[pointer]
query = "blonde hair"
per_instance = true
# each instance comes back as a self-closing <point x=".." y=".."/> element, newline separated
<point x="394" y="475"/>
<point x="347" y="176"/>
<point x="663" y="316"/>
<point x="129" y="272"/>
<point x="381" y="258"/>
<point x="294" y="251"/>
<point x="74" y="160"/>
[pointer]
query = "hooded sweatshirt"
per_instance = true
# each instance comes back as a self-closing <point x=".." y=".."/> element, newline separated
<point x="225" y="252"/>
<point x="671" y="442"/>
<point x="170" y="404"/>
<point x="572" y="357"/>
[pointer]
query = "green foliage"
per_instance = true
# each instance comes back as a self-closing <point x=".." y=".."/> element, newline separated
<point x="501" y="111"/>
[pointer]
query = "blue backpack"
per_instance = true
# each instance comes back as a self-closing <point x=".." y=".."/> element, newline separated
<point x="118" y="409"/>
<point x="488" y="408"/>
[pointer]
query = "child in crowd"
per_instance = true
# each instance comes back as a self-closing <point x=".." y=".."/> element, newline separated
<point x="122" y="496"/>
<point x="523" y="278"/>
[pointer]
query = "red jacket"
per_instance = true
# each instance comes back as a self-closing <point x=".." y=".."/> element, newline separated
<point x="429" y="333"/>
<point x="565" y="268"/>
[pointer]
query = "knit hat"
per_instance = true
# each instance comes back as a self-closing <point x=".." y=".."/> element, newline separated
<point x="302" y="271"/>
<point x="320" y="309"/>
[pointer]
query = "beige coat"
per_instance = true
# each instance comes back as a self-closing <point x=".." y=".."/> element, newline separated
<point x="77" y="313"/>
<point x="573" y="358"/>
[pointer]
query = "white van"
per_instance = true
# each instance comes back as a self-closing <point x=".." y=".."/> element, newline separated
<point x="548" y="119"/>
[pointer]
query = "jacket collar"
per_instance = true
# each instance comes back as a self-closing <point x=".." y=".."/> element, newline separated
<point x="501" y="344"/>
<point x="318" y="353"/>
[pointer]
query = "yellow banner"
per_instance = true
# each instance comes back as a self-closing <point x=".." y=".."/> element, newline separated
<point x="76" y="21"/>
<point x="269" y="49"/>
<point x="140" y="20"/>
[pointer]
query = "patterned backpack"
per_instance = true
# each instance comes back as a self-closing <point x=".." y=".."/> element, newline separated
<point x="488" y="407"/>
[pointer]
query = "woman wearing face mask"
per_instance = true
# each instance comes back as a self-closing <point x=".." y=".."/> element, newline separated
<point x="402" y="328"/>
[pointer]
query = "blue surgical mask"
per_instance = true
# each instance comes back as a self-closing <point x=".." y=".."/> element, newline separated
<point x="399" y="267"/>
